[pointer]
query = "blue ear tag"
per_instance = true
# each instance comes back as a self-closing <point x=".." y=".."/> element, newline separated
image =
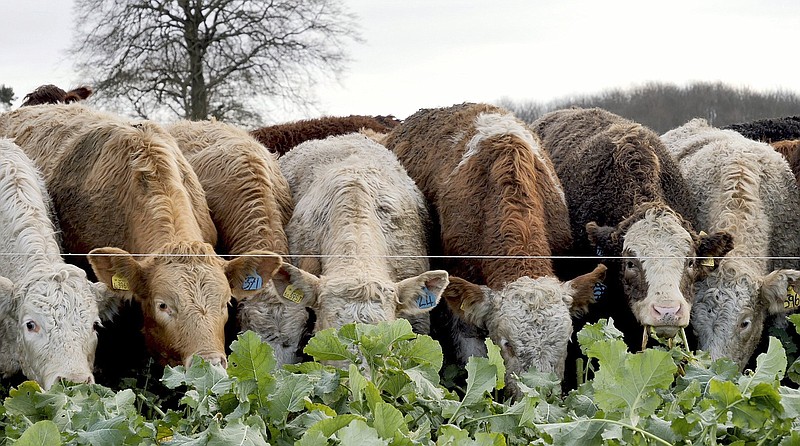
<point x="252" y="282"/>
<point x="426" y="301"/>
<point x="599" y="290"/>
<point x="599" y="251"/>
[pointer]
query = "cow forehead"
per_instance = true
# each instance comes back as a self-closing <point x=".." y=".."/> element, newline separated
<point x="356" y="289"/>
<point x="659" y="235"/>
<point x="729" y="286"/>
<point x="61" y="301"/>
<point x="194" y="281"/>
<point x="533" y="294"/>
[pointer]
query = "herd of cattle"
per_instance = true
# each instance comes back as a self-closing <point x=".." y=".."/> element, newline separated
<point x="534" y="230"/>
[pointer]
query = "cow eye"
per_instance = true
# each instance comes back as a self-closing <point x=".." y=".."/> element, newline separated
<point x="629" y="264"/>
<point x="691" y="263"/>
<point x="32" y="326"/>
<point x="162" y="306"/>
<point x="505" y="345"/>
<point x="745" y="324"/>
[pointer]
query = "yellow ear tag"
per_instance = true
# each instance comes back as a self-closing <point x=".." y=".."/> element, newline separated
<point x="293" y="293"/>
<point x="708" y="261"/>
<point x="119" y="282"/>
<point x="792" y="300"/>
<point x="702" y="234"/>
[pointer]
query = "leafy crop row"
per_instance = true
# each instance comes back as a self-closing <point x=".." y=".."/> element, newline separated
<point x="379" y="385"/>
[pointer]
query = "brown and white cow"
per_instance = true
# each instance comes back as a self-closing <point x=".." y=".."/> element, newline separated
<point x="124" y="194"/>
<point x="502" y="213"/>
<point x="51" y="94"/>
<point x="49" y="311"/>
<point x="359" y="231"/>
<point x="250" y="202"/>
<point x="745" y="188"/>
<point x="629" y="204"/>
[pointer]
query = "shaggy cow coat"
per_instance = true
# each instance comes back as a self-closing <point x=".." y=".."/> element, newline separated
<point x="745" y="188"/>
<point x="790" y="149"/>
<point x="123" y="192"/>
<point x="769" y="130"/>
<point x="49" y="311"/>
<point x="629" y="205"/>
<point x="50" y="94"/>
<point x="359" y="233"/>
<point x="495" y="196"/>
<point x="281" y="138"/>
<point x="250" y="203"/>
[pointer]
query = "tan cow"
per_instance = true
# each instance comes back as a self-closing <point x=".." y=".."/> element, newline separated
<point x="502" y="213"/>
<point x="123" y="192"/>
<point x="250" y="202"/>
<point x="359" y="230"/>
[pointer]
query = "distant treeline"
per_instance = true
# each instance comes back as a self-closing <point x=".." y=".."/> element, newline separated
<point x="666" y="106"/>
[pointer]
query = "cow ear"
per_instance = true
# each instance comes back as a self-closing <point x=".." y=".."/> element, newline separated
<point x="108" y="301"/>
<point x="296" y="285"/>
<point x="250" y="273"/>
<point x="469" y="302"/>
<point x="708" y="249"/>
<point x="6" y="298"/>
<point x="117" y="269"/>
<point x="600" y="239"/>
<point x="779" y="291"/>
<point x="586" y="289"/>
<point x="419" y="294"/>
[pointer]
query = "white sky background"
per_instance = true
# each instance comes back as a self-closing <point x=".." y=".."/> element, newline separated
<point x="430" y="53"/>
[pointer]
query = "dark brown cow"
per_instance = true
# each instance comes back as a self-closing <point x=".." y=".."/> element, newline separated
<point x="790" y="149"/>
<point x="282" y="137"/>
<point x="124" y="191"/>
<point x="627" y="199"/>
<point x="50" y="94"/>
<point x="496" y="195"/>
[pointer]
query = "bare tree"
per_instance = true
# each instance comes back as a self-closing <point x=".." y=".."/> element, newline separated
<point x="202" y="58"/>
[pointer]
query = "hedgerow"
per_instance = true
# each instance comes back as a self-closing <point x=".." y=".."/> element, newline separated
<point x="379" y="385"/>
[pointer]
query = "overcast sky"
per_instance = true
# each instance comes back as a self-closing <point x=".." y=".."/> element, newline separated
<point x="430" y="53"/>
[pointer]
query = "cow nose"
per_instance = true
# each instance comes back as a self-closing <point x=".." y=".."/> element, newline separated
<point x="665" y="312"/>
<point x="215" y="359"/>
<point x="74" y="378"/>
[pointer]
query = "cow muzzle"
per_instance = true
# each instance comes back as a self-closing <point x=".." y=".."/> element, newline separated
<point x="77" y="377"/>
<point x="215" y="359"/>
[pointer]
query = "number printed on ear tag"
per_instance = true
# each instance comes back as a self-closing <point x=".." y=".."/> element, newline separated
<point x="708" y="261"/>
<point x="792" y="300"/>
<point x="119" y="282"/>
<point x="293" y="293"/>
<point x="599" y="290"/>
<point x="426" y="301"/>
<point x="252" y="282"/>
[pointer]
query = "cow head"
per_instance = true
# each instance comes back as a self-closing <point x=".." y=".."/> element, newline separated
<point x="52" y="320"/>
<point x="340" y="300"/>
<point x="530" y="319"/>
<point x="281" y="326"/>
<point x="661" y="258"/>
<point x="732" y="304"/>
<point x="184" y="294"/>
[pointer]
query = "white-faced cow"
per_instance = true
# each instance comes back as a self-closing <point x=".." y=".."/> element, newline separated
<point x="629" y="204"/>
<point x="745" y="188"/>
<point x="49" y="311"/>
<point x="124" y="194"/>
<point x="250" y="202"/>
<point x="501" y="213"/>
<point x="359" y="225"/>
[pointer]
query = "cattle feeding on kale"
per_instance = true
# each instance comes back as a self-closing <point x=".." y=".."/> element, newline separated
<point x="281" y="138"/>
<point x="250" y="203"/>
<point x="49" y="311"/>
<point x="629" y="204"/>
<point x="746" y="189"/>
<point x="359" y="230"/>
<point x="124" y="194"/>
<point x="495" y="196"/>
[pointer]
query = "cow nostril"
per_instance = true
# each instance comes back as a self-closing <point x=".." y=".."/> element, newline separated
<point x="90" y="379"/>
<point x="666" y="311"/>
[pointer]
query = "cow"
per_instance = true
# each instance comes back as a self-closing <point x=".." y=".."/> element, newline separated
<point x="250" y="203"/>
<point x="358" y="234"/>
<point x="630" y="206"/>
<point x="124" y="194"/>
<point x="50" y="94"/>
<point x="500" y="213"/>
<point x="790" y="149"/>
<point x="769" y="130"/>
<point x="281" y="138"/>
<point x="49" y="311"/>
<point x="744" y="188"/>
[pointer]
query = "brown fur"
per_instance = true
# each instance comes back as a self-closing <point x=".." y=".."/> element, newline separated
<point x="790" y="149"/>
<point x="493" y="206"/>
<point x="282" y="137"/>
<point x="50" y="94"/>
